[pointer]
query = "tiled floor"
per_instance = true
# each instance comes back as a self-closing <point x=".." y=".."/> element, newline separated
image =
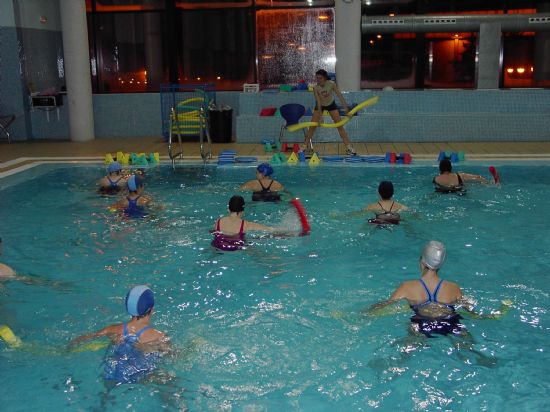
<point x="17" y="153"/>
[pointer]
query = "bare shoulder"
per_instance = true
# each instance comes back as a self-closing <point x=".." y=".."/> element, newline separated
<point x="6" y="272"/>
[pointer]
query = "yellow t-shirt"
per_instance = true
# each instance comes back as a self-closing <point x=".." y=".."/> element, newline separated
<point x="325" y="92"/>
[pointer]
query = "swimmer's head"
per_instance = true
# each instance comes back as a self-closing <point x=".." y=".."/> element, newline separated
<point x="445" y="166"/>
<point x="114" y="167"/>
<point x="236" y="204"/>
<point x="265" y="169"/>
<point x="322" y="73"/>
<point x="135" y="182"/>
<point x="433" y="255"/>
<point x="385" y="189"/>
<point x="139" y="301"/>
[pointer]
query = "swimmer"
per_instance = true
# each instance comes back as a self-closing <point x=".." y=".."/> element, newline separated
<point x="324" y="100"/>
<point x="136" y="345"/>
<point x="386" y="209"/>
<point x="432" y="299"/>
<point x="229" y="231"/>
<point x="8" y="274"/>
<point x="448" y="182"/>
<point x="134" y="204"/>
<point x="114" y="182"/>
<point x="265" y="189"/>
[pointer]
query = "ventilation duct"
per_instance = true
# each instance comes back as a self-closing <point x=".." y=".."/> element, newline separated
<point x="453" y="24"/>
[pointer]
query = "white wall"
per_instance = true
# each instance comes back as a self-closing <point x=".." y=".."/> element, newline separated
<point x="6" y="13"/>
<point x="29" y="12"/>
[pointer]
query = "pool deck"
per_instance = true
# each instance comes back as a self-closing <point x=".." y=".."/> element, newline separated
<point x="16" y="154"/>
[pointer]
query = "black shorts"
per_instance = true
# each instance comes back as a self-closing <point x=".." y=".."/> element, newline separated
<point x="330" y="107"/>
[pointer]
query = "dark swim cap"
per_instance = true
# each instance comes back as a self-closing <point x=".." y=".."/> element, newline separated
<point x="385" y="189"/>
<point x="445" y="166"/>
<point x="265" y="169"/>
<point x="139" y="300"/>
<point x="236" y="204"/>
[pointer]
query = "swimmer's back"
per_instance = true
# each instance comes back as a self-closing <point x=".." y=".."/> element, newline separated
<point x="449" y="292"/>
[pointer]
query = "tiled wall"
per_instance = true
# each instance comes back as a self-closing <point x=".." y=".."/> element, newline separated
<point x="431" y="115"/>
<point x="12" y="95"/>
<point x="419" y="116"/>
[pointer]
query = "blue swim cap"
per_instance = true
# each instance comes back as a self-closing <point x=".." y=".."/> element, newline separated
<point x="265" y="169"/>
<point x="139" y="300"/>
<point x="114" y="167"/>
<point x="134" y="183"/>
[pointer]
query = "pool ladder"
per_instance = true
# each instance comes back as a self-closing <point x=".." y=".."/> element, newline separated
<point x="204" y="137"/>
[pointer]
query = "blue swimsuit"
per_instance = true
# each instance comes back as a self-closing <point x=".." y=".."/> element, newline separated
<point x="133" y="209"/>
<point x="126" y="364"/>
<point x="443" y="325"/>
<point x="112" y="188"/>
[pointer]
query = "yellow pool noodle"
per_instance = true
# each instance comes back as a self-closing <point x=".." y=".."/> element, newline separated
<point x="92" y="346"/>
<point x="9" y="337"/>
<point x="347" y="117"/>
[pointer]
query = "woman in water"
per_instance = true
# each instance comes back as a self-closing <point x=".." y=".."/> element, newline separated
<point x="136" y="344"/>
<point x="134" y="204"/>
<point x="324" y="100"/>
<point x="386" y="209"/>
<point x="264" y="188"/>
<point x="114" y="182"/>
<point x="229" y="231"/>
<point x="448" y="182"/>
<point x="432" y="299"/>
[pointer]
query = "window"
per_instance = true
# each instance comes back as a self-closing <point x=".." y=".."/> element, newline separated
<point x="217" y="46"/>
<point x="518" y="60"/>
<point x="129" y="52"/>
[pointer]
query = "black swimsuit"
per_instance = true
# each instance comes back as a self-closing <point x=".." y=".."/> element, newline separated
<point x="266" y="195"/>
<point x="459" y="188"/>
<point x="386" y="217"/>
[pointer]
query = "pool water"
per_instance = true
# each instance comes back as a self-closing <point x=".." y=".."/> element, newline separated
<point x="276" y="326"/>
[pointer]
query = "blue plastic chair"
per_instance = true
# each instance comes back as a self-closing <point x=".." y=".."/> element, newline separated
<point x="292" y="113"/>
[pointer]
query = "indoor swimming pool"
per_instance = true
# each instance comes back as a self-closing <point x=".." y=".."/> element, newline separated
<point x="277" y="326"/>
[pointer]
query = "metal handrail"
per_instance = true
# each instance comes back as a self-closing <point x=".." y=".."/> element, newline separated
<point x="173" y="156"/>
<point x="205" y="131"/>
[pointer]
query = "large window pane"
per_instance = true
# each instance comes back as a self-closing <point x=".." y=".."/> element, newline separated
<point x="388" y="60"/>
<point x="450" y="60"/>
<point x="293" y="44"/>
<point x="518" y="60"/>
<point x="129" y="48"/>
<point x="217" y="46"/>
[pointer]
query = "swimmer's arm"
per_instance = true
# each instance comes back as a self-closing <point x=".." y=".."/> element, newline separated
<point x="109" y="331"/>
<point x="468" y="309"/>
<point x="387" y="307"/>
<point x="473" y="178"/>
<point x="121" y="204"/>
<point x="397" y="303"/>
<point x="248" y="185"/>
<point x="257" y="226"/>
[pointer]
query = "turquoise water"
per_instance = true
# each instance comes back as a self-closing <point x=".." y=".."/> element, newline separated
<point x="276" y="327"/>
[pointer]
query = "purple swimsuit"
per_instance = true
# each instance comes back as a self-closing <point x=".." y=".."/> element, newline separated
<point x="228" y="243"/>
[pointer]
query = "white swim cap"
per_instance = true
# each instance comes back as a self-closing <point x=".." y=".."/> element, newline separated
<point x="433" y="254"/>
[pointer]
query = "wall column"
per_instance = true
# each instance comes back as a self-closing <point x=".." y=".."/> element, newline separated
<point x="541" y="61"/>
<point x="348" y="44"/>
<point x="488" y="69"/>
<point x="77" y="69"/>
